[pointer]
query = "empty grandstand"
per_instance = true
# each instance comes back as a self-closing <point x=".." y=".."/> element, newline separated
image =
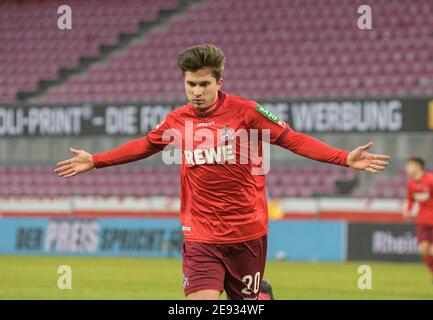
<point x="125" y="52"/>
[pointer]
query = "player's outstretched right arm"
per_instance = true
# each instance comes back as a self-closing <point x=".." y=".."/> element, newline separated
<point x="84" y="161"/>
<point x="154" y="142"/>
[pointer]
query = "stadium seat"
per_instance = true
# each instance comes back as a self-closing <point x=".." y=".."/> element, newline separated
<point x="29" y="34"/>
<point x="282" y="181"/>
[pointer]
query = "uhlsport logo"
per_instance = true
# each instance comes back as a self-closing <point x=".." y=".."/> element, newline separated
<point x="205" y="124"/>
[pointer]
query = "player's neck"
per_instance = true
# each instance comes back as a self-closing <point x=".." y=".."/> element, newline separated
<point x="418" y="176"/>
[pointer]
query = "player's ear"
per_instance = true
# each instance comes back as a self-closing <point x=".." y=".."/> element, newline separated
<point x="220" y="83"/>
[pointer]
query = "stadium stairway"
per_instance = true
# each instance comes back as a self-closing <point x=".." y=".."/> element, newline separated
<point x="105" y="50"/>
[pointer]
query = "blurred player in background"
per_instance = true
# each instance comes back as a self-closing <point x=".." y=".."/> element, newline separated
<point x="420" y="206"/>
<point x="224" y="212"/>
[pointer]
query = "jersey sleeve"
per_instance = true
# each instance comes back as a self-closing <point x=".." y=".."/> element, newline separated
<point x="155" y="141"/>
<point x="282" y="135"/>
<point x="258" y="117"/>
<point x="165" y="133"/>
<point x="132" y="151"/>
<point x="312" y="148"/>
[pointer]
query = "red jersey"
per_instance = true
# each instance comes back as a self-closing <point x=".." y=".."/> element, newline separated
<point x="223" y="198"/>
<point x="420" y="193"/>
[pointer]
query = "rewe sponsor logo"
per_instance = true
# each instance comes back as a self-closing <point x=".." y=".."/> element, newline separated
<point x="220" y="154"/>
<point x="201" y="146"/>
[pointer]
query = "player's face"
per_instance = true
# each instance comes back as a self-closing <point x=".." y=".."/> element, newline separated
<point x="201" y="88"/>
<point x="413" y="169"/>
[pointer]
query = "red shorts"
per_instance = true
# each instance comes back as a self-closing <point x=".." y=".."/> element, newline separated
<point x="424" y="233"/>
<point x="236" y="268"/>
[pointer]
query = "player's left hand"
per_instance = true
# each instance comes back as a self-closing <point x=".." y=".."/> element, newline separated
<point x="362" y="160"/>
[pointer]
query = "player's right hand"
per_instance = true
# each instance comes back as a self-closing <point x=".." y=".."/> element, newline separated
<point x="82" y="162"/>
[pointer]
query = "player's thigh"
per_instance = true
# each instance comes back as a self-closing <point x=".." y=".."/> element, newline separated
<point x="245" y="265"/>
<point x="203" y="271"/>
<point x="204" y="295"/>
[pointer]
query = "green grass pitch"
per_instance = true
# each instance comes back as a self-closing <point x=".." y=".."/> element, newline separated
<point x="140" y="278"/>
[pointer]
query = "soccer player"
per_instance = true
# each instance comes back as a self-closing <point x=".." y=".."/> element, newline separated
<point x="420" y="206"/>
<point x="223" y="212"/>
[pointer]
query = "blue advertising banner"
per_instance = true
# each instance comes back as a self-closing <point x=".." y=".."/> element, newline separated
<point x="101" y="237"/>
<point x="307" y="240"/>
<point x="293" y="240"/>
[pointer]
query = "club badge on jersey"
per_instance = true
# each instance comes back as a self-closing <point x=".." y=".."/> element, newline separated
<point x="227" y="134"/>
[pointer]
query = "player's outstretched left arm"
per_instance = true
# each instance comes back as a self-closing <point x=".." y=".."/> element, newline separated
<point x="361" y="159"/>
<point x="309" y="147"/>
